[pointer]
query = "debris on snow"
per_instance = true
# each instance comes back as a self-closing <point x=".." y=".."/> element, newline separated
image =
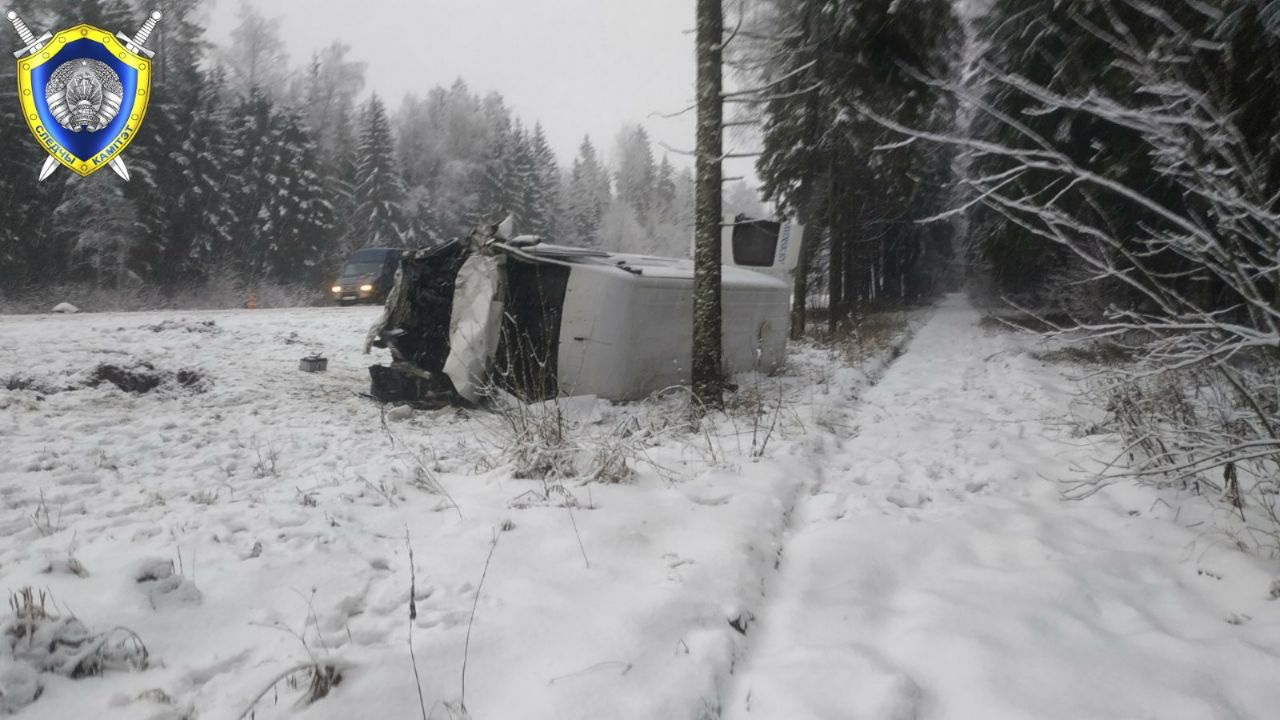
<point x="206" y="327"/>
<point x="15" y="383"/>
<point x="401" y="383"/>
<point x="142" y="377"/>
<point x="192" y="380"/>
<point x="739" y="619"/>
<point x="139" y="379"/>
<point x="400" y="413"/>
<point x="254" y="552"/>
<point x="65" y="309"/>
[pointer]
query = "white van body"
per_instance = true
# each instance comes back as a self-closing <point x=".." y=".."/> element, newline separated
<point x="627" y="326"/>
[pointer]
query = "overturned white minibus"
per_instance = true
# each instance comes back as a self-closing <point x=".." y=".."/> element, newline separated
<point x="541" y="320"/>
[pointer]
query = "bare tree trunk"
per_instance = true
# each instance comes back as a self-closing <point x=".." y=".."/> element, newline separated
<point x="835" y="250"/>
<point x="800" y="293"/>
<point x="854" y="249"/>
<point x="805" y="193"/>
<point x="708" y="382"/>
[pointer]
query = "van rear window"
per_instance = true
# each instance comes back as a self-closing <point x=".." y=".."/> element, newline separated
<point x="755" y="243"/>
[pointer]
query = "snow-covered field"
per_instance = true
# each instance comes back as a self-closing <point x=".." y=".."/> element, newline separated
<point x="896" y="551"/>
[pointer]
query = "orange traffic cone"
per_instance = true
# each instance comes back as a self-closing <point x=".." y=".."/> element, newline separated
<point x="253" y="301"/>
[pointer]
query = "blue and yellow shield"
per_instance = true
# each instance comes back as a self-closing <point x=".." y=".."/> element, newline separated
<point x="84" y="97"/>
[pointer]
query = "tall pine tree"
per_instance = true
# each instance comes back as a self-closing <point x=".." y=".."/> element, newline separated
<point x="637" y="174"/>
<point x="544" y="189"/>
<point x="378" y="193"/>
<point x="588" y="197"/>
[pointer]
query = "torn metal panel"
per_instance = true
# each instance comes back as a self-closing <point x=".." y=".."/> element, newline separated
<point x="475" y="323"/>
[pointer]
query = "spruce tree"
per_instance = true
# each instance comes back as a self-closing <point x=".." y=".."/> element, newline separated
<point x="158" y="159"/>
<point x="299" y="207"/>
<point x="498" y="189"/>
<point x="250" y="170"/>
<point x="98" y="224"/>
<point x="588" y="197"/>
<point x="829" y="64"/>
<point x="637" y="174"/>
<point x="1212" y="69"/>
<point x="544" y="197"/>
<point x="523" y="185"/>
<point x="378" y="193"/>
<point x="200" y="221"/>
<point x="664" y="191"/>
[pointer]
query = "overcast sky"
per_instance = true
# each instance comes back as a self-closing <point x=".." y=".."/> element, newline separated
<point x="577" y="66"/>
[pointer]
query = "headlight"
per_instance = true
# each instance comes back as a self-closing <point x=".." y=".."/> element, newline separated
<point x="336" y="288"/>
<point x="366" y="288"/>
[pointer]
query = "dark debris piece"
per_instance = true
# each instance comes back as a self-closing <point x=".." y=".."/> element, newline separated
<point x="192" y="380"/>
<point x="143" y="377"/>
<point x="392" y="385"/>
<point x="139" y="379"/>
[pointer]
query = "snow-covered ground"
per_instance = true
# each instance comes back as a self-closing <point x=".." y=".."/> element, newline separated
<point x="934" y="571"/>
<point x="898" y="551"/>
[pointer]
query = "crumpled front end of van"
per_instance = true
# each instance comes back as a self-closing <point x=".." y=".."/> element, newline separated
<point x="441" y="324"/>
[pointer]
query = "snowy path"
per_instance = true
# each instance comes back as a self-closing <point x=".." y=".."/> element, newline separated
<point x="936" y="573"/>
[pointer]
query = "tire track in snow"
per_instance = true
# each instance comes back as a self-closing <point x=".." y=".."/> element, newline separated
<point x="887" y="693"/>
<point x="887" y="359"/>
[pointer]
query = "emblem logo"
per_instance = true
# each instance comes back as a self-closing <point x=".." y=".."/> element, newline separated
<point x="84" y="93"/>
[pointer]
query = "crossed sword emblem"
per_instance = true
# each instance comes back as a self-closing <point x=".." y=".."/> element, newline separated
<point x="136" y="45"/>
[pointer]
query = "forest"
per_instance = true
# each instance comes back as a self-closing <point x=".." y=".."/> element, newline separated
<point x="1041" y="149"/>
<point x="1109" y="168"/>
<point x="265" y="171"/>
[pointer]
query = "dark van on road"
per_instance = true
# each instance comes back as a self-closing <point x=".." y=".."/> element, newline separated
<point x="366" y="277"/>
